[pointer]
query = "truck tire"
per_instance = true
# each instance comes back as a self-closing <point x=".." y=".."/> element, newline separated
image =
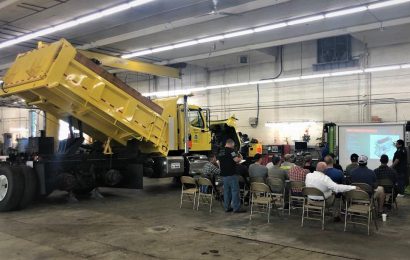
<point x="30" y="186"/>
<point x="11" y="188"/>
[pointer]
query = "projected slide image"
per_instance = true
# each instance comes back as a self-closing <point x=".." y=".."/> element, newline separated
<point x="382" y="144"/>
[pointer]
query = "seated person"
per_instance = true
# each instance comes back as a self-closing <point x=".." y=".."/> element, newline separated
<point x="385" y="172"/>
<point x="288" y="163"/>
<point x="242" y="170"/>
<point x="278" y="173"/>
<point x="362" y="174"/>
<point x="275" y="171"/>
<point x="297" y="173"/>
<point x="335" y="174"/>
<point x="336" y="162"/>
<point x="354" y="164"/>
<point x="211" y="169"/>
<point x="319" y="180"/>
<point x="257" y="170"/>
<point x="309" y="163"/>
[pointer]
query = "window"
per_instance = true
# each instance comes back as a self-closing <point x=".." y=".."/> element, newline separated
<point x="195" y="118"/>
<point x="334" y="49"/>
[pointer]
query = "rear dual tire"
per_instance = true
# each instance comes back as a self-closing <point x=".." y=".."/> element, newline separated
<point x="18" y="187"/>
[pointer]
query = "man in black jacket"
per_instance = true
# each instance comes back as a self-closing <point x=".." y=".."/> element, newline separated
<point x="227" y="160"/>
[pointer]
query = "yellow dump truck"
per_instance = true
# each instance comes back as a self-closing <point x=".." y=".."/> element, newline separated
<point x="133" y="135"/>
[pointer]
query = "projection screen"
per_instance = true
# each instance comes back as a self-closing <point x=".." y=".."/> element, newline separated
<point x="371" y="140"/>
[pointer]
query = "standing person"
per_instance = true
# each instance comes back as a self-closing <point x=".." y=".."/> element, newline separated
<point x="400" y="165"/>
<point x="335" y="174"/>
<point x="257" y="170"/>
<point x="228" y="159"/>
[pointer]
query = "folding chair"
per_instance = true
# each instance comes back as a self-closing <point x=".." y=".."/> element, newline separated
<point x="367" y="188"/>
<point x="189" y="190"/>
<point x="261" y="196"/>
<point x="388" y="186"/>
<point x="294" y="196"/>
<point x="315" y="206"/>
<point x="206" y="194"/>
<point x="257" y="179"/>
<point x="242" y="188"/>
<point x="277" y="187"/>
<point x="358" y="204"/>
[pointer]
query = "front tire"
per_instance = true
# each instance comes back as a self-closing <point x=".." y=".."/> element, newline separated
<point x="11" y="188"/>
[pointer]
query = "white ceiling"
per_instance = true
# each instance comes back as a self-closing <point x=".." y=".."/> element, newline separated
<point x="168" y="21"/>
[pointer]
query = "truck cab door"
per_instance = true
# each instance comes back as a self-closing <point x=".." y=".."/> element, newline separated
<point x="199" y="134"/>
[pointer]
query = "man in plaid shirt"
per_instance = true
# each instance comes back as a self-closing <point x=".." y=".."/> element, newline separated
<point x="385" y="172"/>
<point x="297" y="173"/>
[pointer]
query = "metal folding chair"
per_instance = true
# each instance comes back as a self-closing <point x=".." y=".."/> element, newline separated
<point x="277" y="187"/>
<point x="358" y="204"/>
<point x="261" y="197"/>
<point x="189" y="190"/>
<point x="388" y="186"/>
<point x="295" y="199"/>
<point x="313" y="206"/>
<point x="205" y="192"/>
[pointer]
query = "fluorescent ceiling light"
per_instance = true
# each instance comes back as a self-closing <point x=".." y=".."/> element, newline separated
<point x="338" y="73"/>
<point x="237" y="84"/>
<point x="306" y="19"/>
<point x="116" y="9"/>
<point x="136" y="54"/>
<point x="185" y="44"/>
<point x="345" y="73"/>
<point x="346" y="11"/>
<point x="382" y="68"/>
<point x="387" y="3"/>
<point x="216" y="87"/>
<point x="211" y="39"/>
<point x="239" y="33"/>
<point x="270" y="27"/>
<point x="164" y="48"/>
<point x="266" y="81"/>
<point x="286" y="79"/>
<point x="74" y="22"/>
<point x="315" y="76"/>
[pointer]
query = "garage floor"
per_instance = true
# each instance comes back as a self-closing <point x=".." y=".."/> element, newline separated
<point x="148" y="224"/>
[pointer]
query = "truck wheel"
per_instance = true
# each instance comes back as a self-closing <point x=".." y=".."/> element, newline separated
<point x="11" y="188"/>
<point x="30" y="186"/>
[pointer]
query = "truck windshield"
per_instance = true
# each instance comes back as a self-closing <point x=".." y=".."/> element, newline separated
<point x="195" y="118"/>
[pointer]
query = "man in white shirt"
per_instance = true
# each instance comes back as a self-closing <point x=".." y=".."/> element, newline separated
<point x="319" y="180"/>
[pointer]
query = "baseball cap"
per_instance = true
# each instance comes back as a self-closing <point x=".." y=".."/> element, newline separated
<point x="362" y="159"/>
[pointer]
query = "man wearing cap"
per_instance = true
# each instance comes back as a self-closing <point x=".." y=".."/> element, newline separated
<point x="362" y="174"/>
<point x="257" y="170"/>
<point x="400" y="165"/>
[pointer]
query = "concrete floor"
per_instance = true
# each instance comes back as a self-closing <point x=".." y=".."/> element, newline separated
<point x="148" y="224"/>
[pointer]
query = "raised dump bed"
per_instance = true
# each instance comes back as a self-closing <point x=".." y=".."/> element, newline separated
<point x="61" y="81"/>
